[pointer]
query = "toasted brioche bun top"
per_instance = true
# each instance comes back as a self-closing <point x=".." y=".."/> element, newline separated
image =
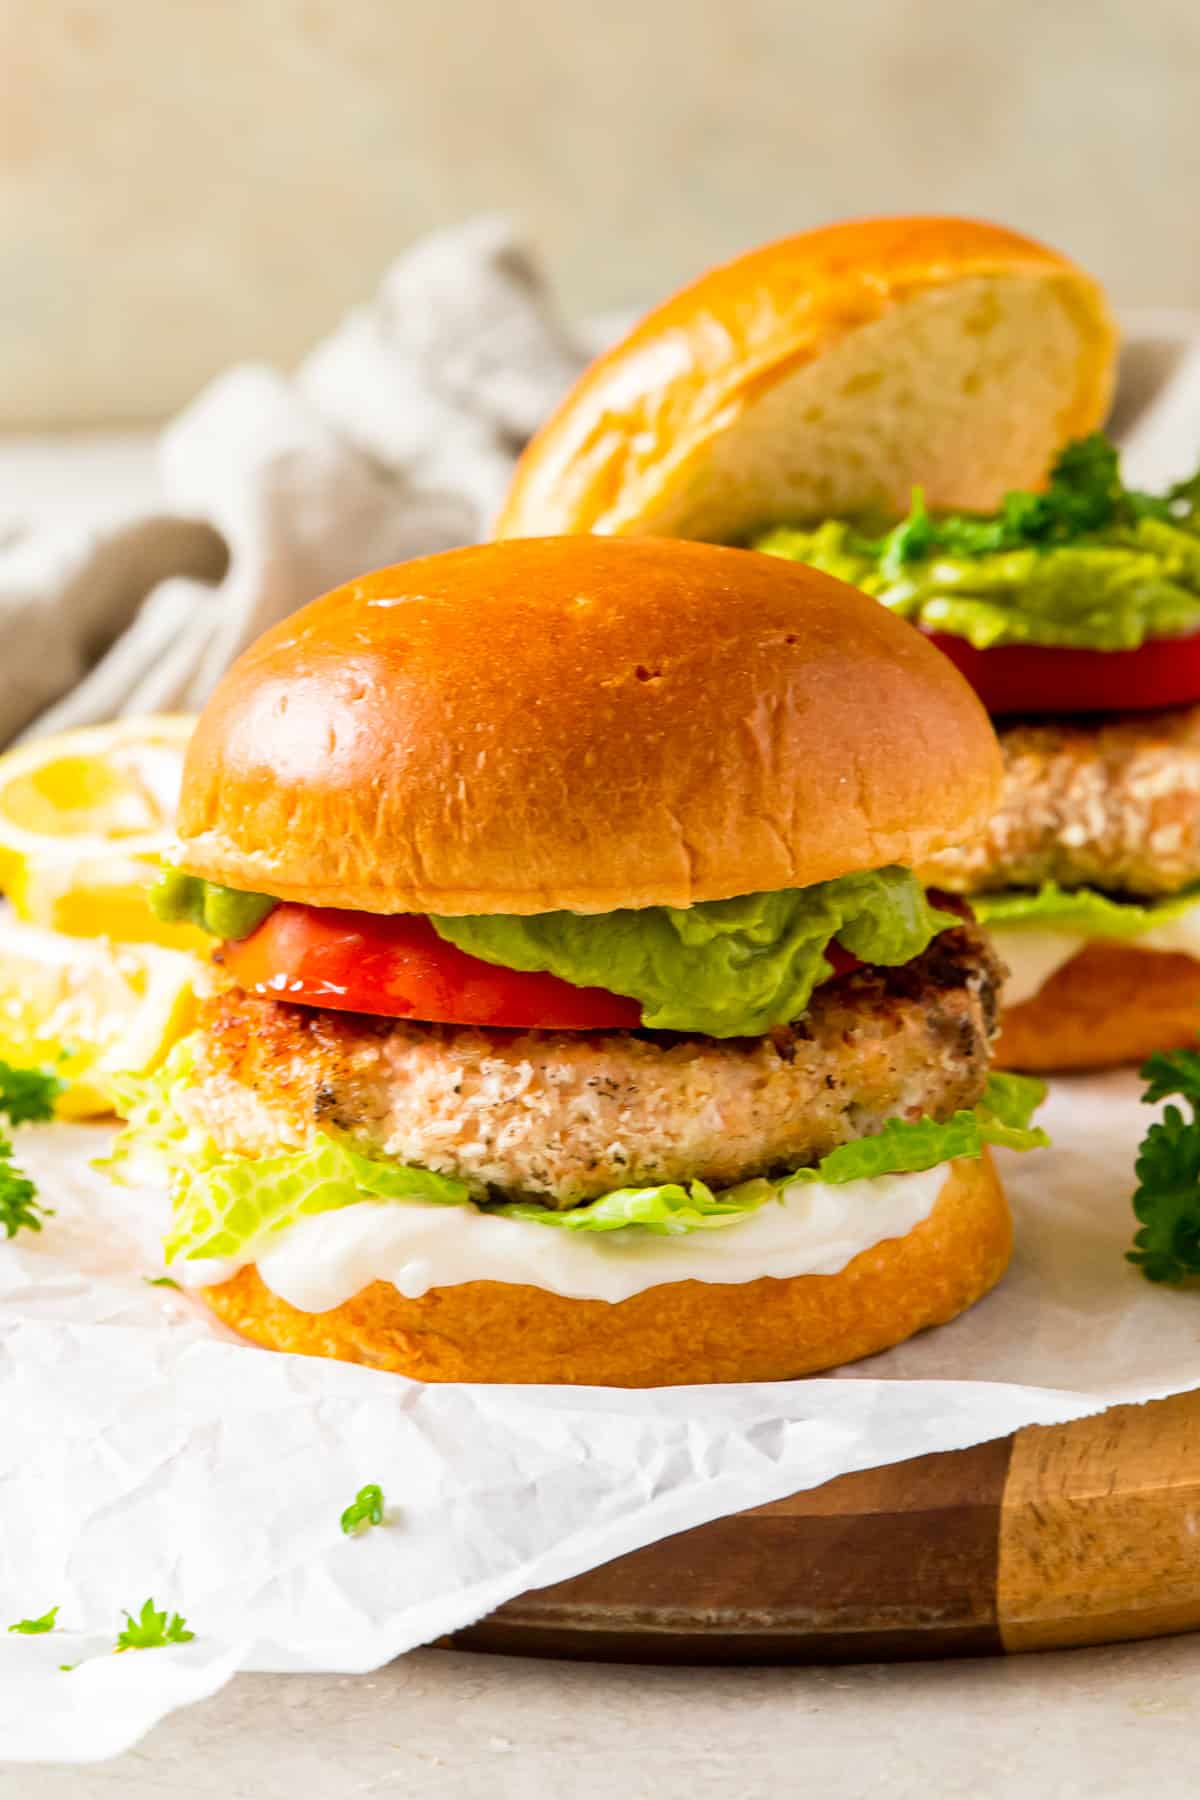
<point x="828" y="373"/>
<point x="581" y="723"/>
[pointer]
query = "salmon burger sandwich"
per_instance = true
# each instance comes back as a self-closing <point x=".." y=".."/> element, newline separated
<point x="575" y="1013"/>
<point x="911" y="404"/>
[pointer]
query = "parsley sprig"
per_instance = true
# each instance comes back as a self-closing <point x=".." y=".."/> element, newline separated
<point x="36" y="1627"/>
<point x="27" y="1096"/>
<point x="1167" y="1198"/>
<point x="153" y="1630"/>
<point x="1085" y="493"/>
<point x="364" y="1510"/>
<point x="20" y="1208"/>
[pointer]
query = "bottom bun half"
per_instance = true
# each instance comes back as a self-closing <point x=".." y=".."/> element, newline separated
<point x="1111" y="1004"/>
<point x="682" y="1332"/>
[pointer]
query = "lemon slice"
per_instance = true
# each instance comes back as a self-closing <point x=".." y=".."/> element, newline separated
<point x="84" y="819"/>
<point x="89" y="1009"/>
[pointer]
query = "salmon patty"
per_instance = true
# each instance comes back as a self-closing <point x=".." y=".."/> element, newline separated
<point x="1113" y="804"/>
<point x="562" y="1117"/>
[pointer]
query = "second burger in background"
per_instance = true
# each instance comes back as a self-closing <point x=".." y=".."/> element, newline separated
<point x="887" y="400"/>
<point x="1075" y="614"/>
<point x="579" y="1016"/>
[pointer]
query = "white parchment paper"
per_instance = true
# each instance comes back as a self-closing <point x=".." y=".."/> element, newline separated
<point x="145" y="1451"/>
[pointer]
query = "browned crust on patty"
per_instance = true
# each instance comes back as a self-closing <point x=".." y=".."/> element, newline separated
<point x="562" y="1117"/>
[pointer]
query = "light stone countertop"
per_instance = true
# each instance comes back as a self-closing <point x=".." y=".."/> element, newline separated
<point x="443" y="1725"/>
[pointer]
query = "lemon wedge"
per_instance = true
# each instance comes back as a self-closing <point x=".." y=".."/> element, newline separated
<point x="84" y="819"/>
<point x="89" y="1009"/>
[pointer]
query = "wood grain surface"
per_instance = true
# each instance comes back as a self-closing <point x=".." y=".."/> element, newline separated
<point x="1074" y="1534"/>
<point x="1100" y="1528"/>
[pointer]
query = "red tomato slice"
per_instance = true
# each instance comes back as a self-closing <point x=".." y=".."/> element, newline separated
<point x="1038" y="678"/>
<point x="842" y="962"/>
<point x="397" y="967"/>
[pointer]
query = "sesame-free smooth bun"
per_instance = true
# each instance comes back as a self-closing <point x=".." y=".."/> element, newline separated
<point x="828" y="373"/>
<point x="1111" y="1004"/>
<point x="581" y="723"/>
<point x="682" y="1332"/>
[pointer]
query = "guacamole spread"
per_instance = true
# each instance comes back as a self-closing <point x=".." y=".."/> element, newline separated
<point x="1088" y="564"/>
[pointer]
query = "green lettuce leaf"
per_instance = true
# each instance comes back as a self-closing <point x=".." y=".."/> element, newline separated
<point x="229" y="1206"/>
<point x="220" y="1204"/>
<point x="903" y="1146"/>
<point x="218" y="1208"/>
<point x="1084" y="910"/>
<point x="726" y="968"/>
<point x="668" y="1210"/>
<point x="225" y="912"/>
<point x="900" y="1147"/>
<point x="1089" y="564"/>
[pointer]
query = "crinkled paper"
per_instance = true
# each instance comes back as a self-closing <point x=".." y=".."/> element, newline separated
<point x="145" y="1451"/>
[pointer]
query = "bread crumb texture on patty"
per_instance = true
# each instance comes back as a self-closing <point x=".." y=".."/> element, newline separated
<point x="1112" y="803"/>
<point x="561" y="1117"/>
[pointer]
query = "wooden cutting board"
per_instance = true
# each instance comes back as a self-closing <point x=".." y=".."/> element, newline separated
<point x="1070" y="1534"/>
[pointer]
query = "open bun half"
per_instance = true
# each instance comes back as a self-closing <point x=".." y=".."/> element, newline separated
<point x="827" y="373"/>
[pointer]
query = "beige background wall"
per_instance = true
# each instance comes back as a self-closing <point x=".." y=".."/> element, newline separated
<point x="184" y="182"/>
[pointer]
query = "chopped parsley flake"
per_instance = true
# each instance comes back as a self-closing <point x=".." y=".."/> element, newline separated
<point x="365" y="1509"/>
<point x="1085" y="494"/>
<point x="36" y="1627"/>
<point x="152" y="1630"/>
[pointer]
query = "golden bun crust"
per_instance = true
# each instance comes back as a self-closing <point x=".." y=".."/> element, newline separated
<point x="1111" y="1004"/>
<point x="581" y="723"/>
<point x="825" y="373"/>
<point x="686" y="1331"/>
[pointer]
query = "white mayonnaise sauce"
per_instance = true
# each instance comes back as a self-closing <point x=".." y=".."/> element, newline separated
<point x="815" y="1229"/>
<point x="1033" y="956"/>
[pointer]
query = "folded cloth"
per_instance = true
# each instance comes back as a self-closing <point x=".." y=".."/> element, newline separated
<point x="1156" y="416"/>
<point x="394" y="438"/>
